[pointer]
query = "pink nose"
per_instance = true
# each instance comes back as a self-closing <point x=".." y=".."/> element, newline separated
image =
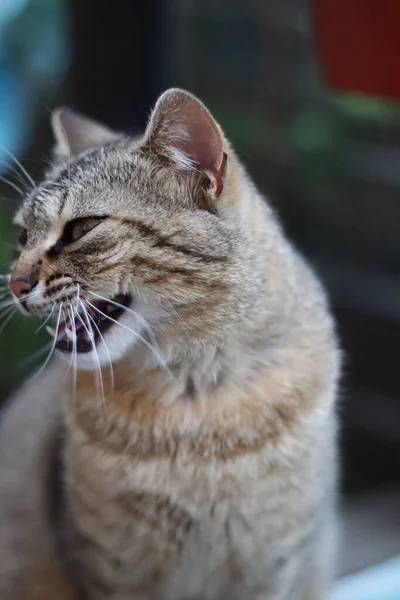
<point x="20" y="286"/>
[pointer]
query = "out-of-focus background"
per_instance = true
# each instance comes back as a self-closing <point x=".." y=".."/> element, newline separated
<point x="329" y="162"/>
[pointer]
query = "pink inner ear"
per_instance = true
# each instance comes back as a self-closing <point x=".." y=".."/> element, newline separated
<point x="202" y="142"/>
<point x="183" y="123"/>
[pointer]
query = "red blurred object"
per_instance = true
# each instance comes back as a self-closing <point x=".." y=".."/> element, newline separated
<point x="358" y="45"/>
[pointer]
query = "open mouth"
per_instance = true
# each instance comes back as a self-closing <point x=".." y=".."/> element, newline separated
<point x="84" y="332"/>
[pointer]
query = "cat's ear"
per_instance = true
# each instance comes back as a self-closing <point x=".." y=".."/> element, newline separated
<point x="75" y="133"/>
<point x="182" y="130"/>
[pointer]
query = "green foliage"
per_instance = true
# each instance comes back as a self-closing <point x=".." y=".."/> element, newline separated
<point x="17" y="339"/>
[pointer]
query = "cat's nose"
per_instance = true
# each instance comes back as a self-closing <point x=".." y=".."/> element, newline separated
<point x="21" y="286"/>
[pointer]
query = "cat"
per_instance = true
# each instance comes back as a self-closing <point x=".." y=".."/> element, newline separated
<point x="181" y="444"/>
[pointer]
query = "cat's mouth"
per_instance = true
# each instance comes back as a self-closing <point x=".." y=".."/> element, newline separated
<point x="86" y="329"/>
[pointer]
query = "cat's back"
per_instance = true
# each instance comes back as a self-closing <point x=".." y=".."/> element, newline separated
<point x="29" y="443"/>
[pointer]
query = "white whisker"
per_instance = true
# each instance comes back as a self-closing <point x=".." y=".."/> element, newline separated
<point x="35" y="355"/>
<point x="10" y="315"/>
<point x="47" y="320"/>
<point x="74" y="355"/>
<point x="6" y="309"/>
<point x="17" y="174"/>
<point x="42" y="368"/>
<point x="14" y="301"/>
<point x="160" y="358"/>
<point x="20" y="165"/>
<point x="127" y="309"/>
<point x="105" y="346"/>
<point x="11" y="184"/>
<point x="93" y="342"/>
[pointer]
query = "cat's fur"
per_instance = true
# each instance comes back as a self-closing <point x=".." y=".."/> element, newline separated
<point x="207" y="469"/>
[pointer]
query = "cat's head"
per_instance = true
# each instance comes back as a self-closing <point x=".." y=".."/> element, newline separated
<point x="126" y="238"/>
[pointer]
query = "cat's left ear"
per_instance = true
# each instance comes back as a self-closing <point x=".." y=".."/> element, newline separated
<point x="182" y="130"/>
<point x="75" y="133"/>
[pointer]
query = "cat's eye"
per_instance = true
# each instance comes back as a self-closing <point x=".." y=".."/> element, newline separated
<point x="77" y="228"/>
<point x="22" y="237"/>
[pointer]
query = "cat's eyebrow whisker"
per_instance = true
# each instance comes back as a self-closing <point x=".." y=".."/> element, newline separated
<point x="150" y="347"/>
<point x="105" y="346"/>
<point x="42" y="368"/>
<point x="12" y="184"/>
<point x="17" y="174"/>
<point x="20" y="165"/>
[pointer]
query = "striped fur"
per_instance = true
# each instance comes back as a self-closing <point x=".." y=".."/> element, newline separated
<point x="209" y="474"/>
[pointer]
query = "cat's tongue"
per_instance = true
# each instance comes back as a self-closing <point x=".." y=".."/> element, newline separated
<point x="65" y="331"/>
<point x="69" y="333"/>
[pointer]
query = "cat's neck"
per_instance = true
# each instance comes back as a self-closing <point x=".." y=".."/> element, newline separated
<point x="229" y="402"/>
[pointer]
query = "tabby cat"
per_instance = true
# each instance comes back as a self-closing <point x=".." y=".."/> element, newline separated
<point x="181" y="444"/>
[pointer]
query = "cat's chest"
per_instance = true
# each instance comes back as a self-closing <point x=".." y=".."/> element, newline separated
<point x="146" y="540"/>
<point x="165" y="507"/>
<point x="151" y="523"/>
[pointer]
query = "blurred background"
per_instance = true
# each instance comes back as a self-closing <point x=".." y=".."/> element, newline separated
<point x="329" y="162"/>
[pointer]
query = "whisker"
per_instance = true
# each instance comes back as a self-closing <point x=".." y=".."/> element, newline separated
<point x="160" y="358"/>
<point x="100" y="377"/>
<point x="105" y="346"/>
<point x="8" y="319"/>
<point x="178" y="318"/>
<point x="127" y="309"/>
<point x="47" y="320"/>
<point x="30" y="359"/>
<point x="13" y="301"/>
<point x="42" y="368"/>
<point x="135" y="314"/>
<point x="73" y="361"/>
<point x="72" y="322"/>
<point x="17" y="174"/>
<point x="20" y="165"/>
<point x="6" y="303"/>
<point x="6" y="309"/>
<point x="12" y="184"/>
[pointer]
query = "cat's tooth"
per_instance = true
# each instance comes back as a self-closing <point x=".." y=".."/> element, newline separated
<point x="70" y="334"/>
<point x="50" y="330"/>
